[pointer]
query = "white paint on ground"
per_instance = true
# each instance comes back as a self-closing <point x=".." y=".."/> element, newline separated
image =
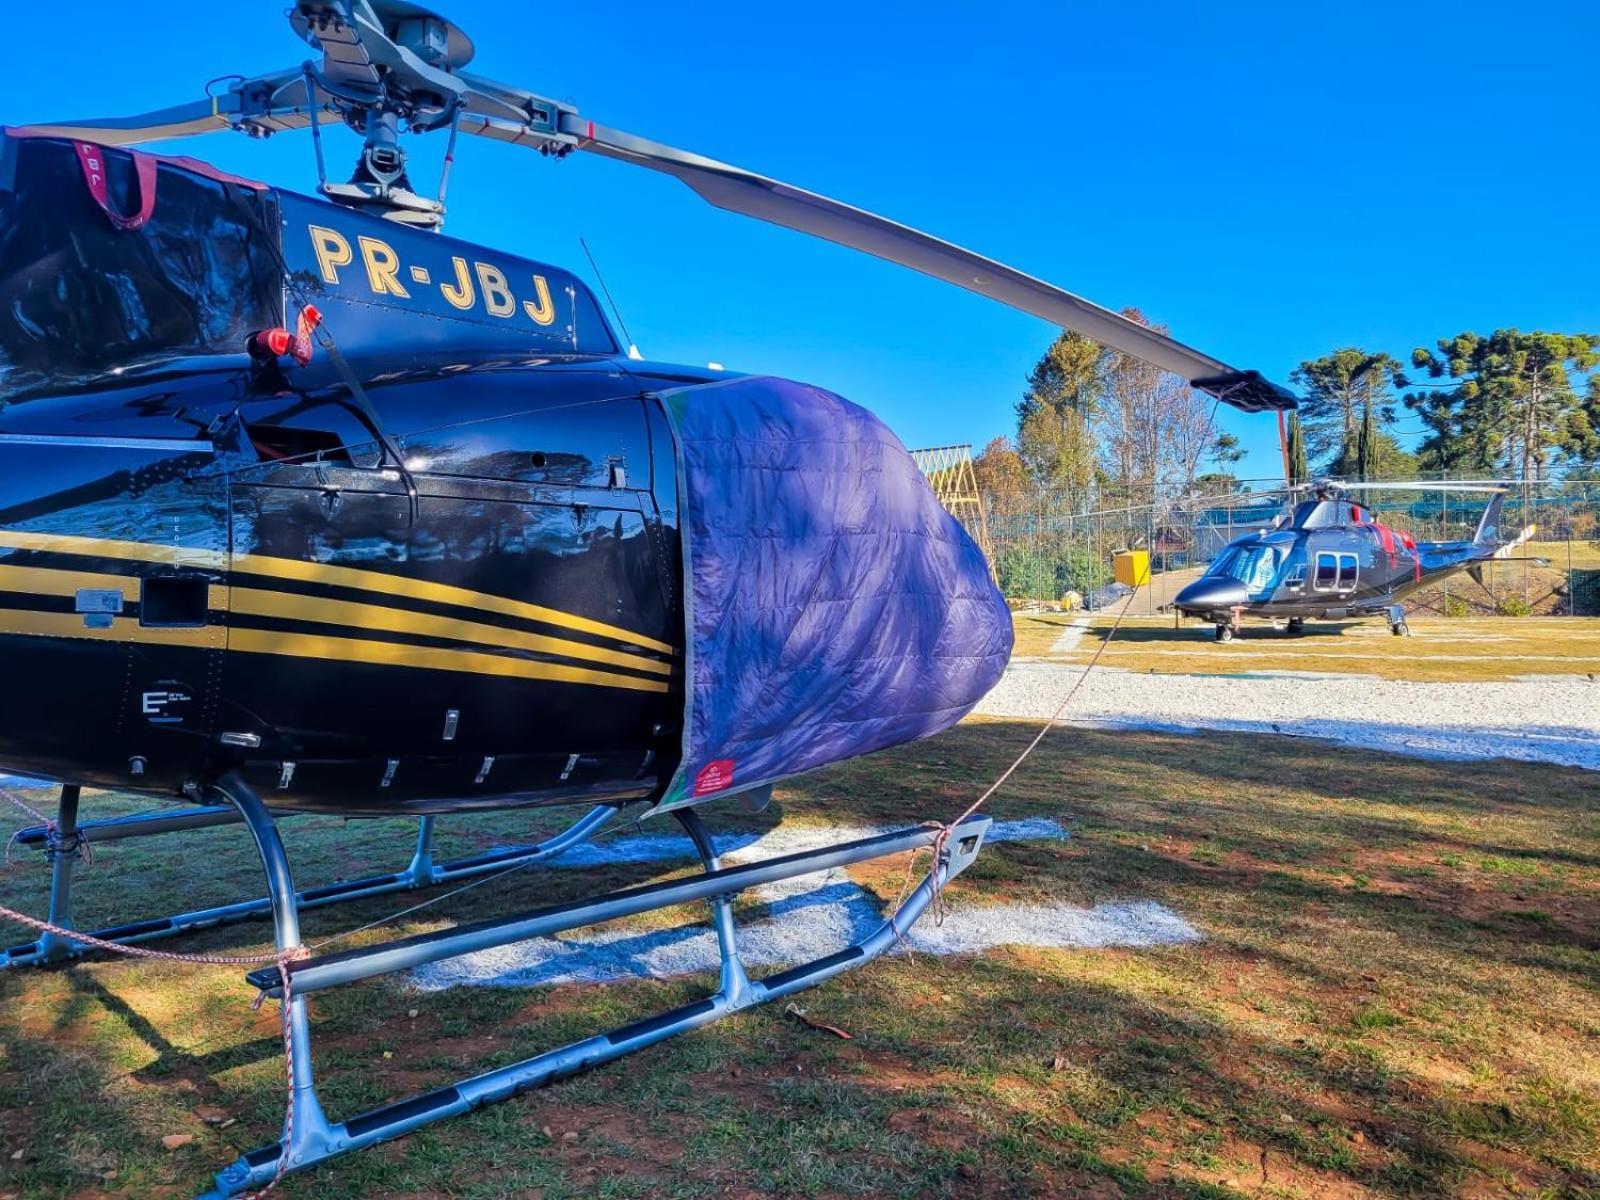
<point x="1553" y="720"/>
<point x="780" y="839"/>
<point x="1071" y="636"/>
<point x="807" y="918"/>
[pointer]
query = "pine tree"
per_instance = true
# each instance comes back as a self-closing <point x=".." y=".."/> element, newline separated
<point x="1299" y="468"/>
<point x="1065" y="390"/>
<point x="1337" y="391"/>
<point x="1514" y="406"/>
<point x="1367" y="452"/>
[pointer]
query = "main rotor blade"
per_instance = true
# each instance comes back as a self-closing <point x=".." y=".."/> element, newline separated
<point x="1418" y="486"/>
<point x="737" y="190"/>
<point x="183" y="120"/>
<point x="267" y="104"/>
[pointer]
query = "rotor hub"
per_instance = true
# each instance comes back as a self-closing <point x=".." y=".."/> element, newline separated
<point x="436" y="40"/>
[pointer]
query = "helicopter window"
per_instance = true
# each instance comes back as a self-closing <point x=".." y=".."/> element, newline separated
<point x="1336" y="572"/>
<point x="274" y="443"/>
<point x="572" y="445"/>
<point x="1254" y="566"/>
<point x="294" y="429"/>
<point x="1327" y="572"/>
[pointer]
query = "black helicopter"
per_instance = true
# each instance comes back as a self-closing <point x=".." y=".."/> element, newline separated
<point x="1331" y="557"/>
<point x="307" y="501"/>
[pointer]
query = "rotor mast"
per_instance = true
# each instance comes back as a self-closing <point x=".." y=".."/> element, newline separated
<point x="383" y="64"/>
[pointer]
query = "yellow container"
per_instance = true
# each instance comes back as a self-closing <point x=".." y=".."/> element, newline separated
<point x="1131" y="567"/>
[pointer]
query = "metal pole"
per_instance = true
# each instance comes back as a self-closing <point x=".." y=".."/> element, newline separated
<point x="305" y="1129"/>
<point x="53" y="947"/>
<point x="421" y="872"/>
<point x="336" y="970"/>
<point x="735" y="985"/>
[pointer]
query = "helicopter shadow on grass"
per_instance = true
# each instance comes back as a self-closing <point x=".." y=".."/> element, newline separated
<point x="1135" y="1068"/>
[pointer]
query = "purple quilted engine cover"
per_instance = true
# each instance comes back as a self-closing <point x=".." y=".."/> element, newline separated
<point x="835" y="606"/>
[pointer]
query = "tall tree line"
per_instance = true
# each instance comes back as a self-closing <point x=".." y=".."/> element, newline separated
<point x="1508" y="404"/>
<point x="1096" y="427"/>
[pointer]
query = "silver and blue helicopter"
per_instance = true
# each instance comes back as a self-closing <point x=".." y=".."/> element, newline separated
<point x="1331" y="557"/>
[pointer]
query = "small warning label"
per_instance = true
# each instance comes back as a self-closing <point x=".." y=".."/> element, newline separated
<point x="715" y="776"/>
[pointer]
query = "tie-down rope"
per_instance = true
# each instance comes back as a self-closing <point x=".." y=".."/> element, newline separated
<point x="282" y="958"/>
<point x="941" y="841"/>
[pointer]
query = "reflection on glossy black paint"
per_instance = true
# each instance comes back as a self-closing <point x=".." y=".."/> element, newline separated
<point x="544" y="477"/>
<point x="82" y="296"/>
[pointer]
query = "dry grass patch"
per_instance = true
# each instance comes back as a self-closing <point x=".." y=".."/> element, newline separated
<point x="1399" y="995"/>
<point x="1440" y="650"/>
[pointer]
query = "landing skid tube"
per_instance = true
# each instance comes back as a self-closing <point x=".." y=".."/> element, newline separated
<point x="310" y="1138"/>
<point x="422" y="872"/>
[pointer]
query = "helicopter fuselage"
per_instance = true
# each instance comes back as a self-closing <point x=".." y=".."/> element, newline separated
<point x="1331" y="559"/>
<point x="211" y="560"/>
<point x="267" y="596"/>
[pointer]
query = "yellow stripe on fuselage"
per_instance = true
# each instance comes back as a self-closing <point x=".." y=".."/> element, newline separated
<point x="398" y="654"/>
<point x="355" y="617"/>
<point x="122" y="629"/>
<point x="45" y="581"/>
<point x="303" y="571"/>
<point x="19" y="622"/>
<point x="440" y="593"/>
<point x="48" y="581"/>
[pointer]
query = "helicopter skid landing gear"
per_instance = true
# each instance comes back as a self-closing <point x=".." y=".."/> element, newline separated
<point x="315" y="1139"/>
<point x="422" y="872"/>
<point x="1397" y="621"/>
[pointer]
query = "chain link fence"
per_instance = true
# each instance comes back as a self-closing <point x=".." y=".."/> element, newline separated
<point x="1049" y="549"/>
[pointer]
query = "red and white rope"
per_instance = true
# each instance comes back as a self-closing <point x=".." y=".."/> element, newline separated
<point x="282" y="958"/>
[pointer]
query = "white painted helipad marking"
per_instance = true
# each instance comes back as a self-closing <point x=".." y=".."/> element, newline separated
<point x="807" y="918"/>
<point x="1071" y="636"/>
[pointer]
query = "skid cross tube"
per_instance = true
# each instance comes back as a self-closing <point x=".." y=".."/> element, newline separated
<point x="422" y="872"/>
<point x="317" y="1140"/>
<point x="146" y="824"/>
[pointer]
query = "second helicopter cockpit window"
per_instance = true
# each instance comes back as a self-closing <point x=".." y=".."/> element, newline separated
<point x="1255" y="566"/>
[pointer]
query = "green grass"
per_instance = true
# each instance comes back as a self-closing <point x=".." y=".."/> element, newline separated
<point x="1398" y="994"/>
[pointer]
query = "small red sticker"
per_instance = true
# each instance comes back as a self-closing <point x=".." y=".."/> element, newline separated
<point x="715" y="776"/>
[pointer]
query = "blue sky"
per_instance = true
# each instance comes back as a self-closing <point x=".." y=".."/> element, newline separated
<point x="1270" y="180"/>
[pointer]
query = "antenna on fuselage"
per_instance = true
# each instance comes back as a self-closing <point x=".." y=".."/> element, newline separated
<point x="633" y="349"/>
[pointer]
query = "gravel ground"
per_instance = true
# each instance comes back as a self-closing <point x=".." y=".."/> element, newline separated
<point x="1555" y="720"/>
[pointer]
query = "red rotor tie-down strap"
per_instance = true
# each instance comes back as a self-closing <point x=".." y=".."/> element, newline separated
<point x="92" y="159"/>
<point x="1386" y="536"/>
<point x="310" y="319"/>
<point x="1410" y="543"/>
